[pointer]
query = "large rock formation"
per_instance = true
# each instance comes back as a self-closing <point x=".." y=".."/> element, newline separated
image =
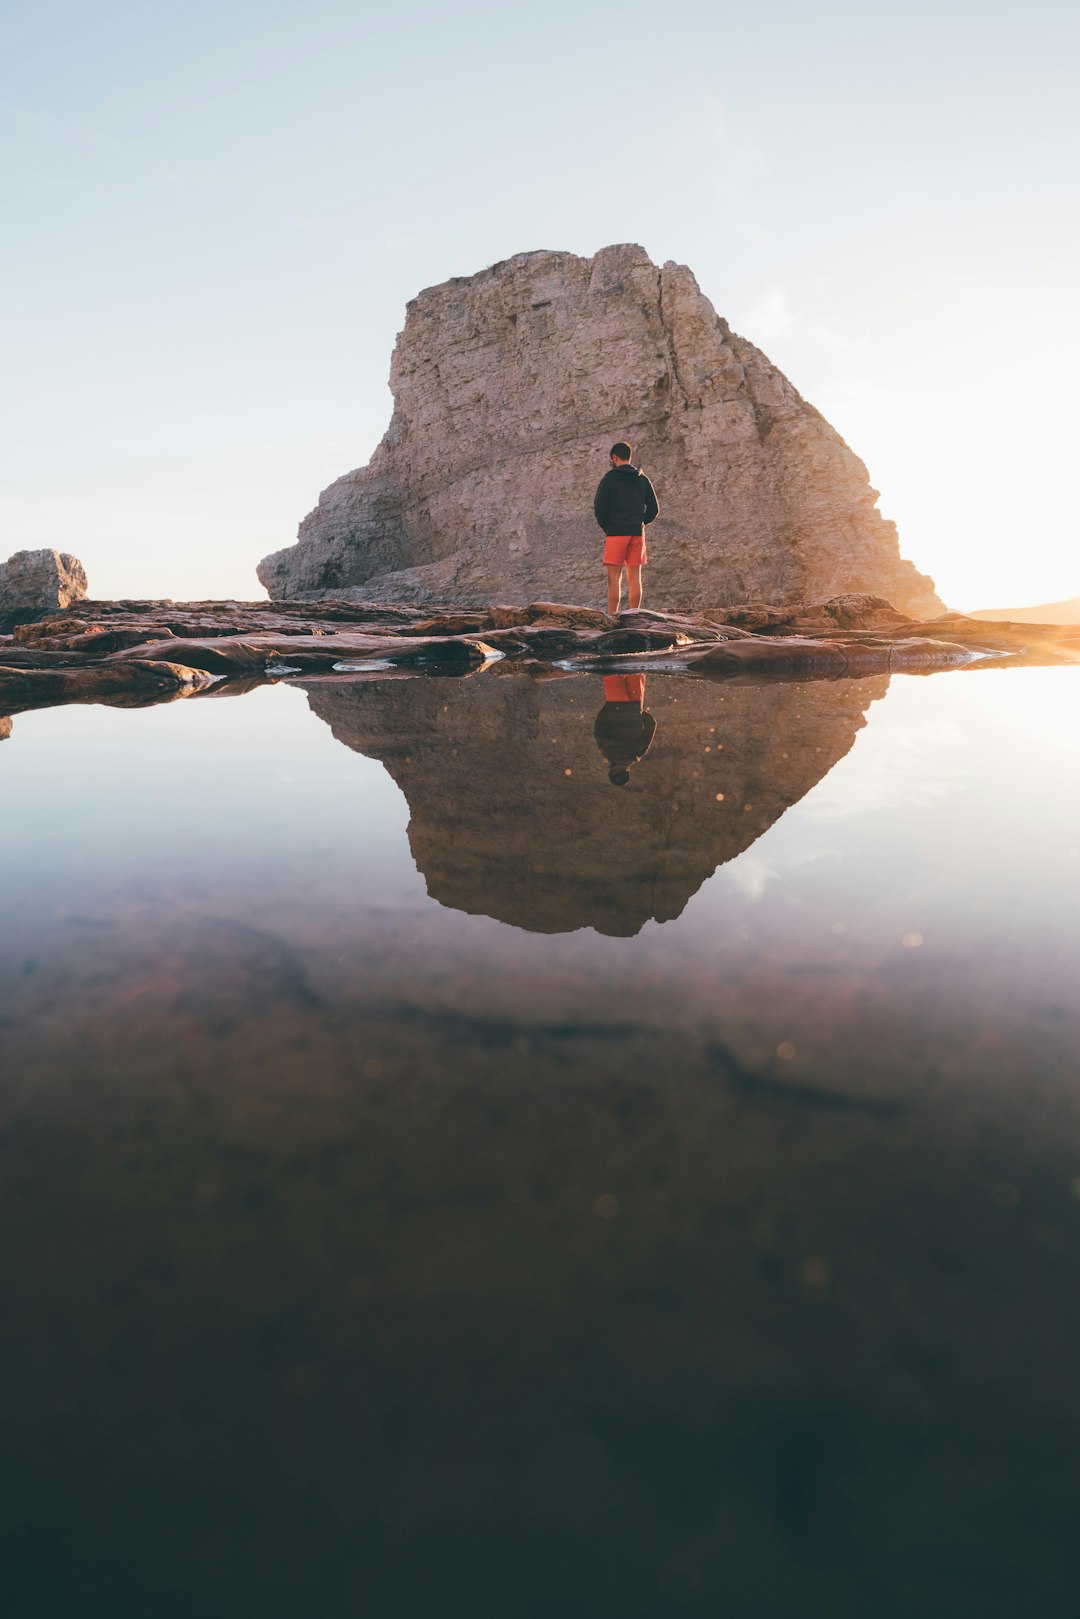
<point x="33" y="582"/>
<point x="512" y="811"/>
<point x="509" y="388"/>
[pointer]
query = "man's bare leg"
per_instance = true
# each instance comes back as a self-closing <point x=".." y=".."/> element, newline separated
<point x="633" y="586"/>
<point x="614" y="586"/>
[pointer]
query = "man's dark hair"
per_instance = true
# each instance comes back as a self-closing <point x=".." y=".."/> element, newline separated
<point x="618" y="775"/>
<point x="621" y="452"/>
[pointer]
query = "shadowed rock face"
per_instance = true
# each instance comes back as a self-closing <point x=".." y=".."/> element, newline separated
<point x="513" y="814"/>
<point x="510" y="387"/>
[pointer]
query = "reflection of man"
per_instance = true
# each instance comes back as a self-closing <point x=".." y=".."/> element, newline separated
<point x="624" y="503"/>
<point x="624" y="728"/>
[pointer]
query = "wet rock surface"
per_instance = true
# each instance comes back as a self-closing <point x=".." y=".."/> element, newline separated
<point x="105" y="648"/>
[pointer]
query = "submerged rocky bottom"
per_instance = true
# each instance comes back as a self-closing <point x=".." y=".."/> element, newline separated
<point x="591" y="1234"/>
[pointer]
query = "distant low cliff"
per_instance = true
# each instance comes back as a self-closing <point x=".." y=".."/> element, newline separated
<point x="1066" y="612"/>
<point x="509" y="388"/>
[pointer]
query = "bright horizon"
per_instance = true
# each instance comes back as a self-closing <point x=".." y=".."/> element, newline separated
<point x="215" y="220"/>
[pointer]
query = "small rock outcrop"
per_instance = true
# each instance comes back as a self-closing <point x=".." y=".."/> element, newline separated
<point x="39" y="582"/>
<point x="510" y="387"/>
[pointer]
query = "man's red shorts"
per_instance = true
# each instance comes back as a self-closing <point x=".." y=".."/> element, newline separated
<point x="628" y="548"/>
<point x="624" y="689"/>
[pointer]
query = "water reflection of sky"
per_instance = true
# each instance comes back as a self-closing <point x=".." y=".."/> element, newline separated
<point x="957" y="806"/>
<point x="245" y="790"/>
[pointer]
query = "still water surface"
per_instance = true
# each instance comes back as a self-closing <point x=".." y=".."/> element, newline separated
<point x="438" y="1180"/>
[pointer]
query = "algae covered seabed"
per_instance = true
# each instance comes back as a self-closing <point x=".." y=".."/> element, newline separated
<point x="438" y="1181"/>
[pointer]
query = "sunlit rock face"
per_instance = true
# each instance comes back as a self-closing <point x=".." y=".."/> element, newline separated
<point x="514" y="815"/>
<point x="39" y="581"/>
<point x="510" y="387"/>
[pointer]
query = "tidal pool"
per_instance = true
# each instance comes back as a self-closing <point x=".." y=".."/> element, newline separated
<point x="438" y="1180"/>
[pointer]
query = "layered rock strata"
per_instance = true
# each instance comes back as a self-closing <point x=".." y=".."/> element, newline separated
<point x="509" y="388"/>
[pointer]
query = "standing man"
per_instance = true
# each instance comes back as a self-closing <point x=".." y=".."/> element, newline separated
<point x="624" y="503"/>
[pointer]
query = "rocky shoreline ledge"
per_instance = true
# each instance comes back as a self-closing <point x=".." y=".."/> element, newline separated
<point x="134" y="653"/>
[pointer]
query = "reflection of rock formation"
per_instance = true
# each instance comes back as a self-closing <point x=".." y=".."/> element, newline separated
<point x="512" y="812"/>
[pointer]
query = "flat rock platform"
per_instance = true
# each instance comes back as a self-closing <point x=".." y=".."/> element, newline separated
<point x="134" y="653"/>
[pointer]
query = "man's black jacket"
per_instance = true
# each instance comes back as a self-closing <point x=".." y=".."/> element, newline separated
<point x="624" y="733"/>
<point x="624" y="502"/>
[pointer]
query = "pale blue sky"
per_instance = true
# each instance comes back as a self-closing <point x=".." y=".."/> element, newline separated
<point x="214" y="215"/>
